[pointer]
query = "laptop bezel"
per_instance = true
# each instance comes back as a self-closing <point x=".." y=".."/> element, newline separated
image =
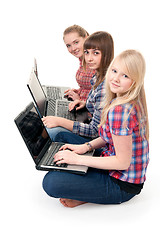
<point x="18" y="119"/>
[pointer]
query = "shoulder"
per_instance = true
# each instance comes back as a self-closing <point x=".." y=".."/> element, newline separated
<point x="123" y="117"/>
<point x="127" y="108"/>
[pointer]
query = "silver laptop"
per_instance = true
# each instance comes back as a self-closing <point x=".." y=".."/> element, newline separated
<point x="39" y="144"/>
<point x="53" y="92"/>
<point x="48" y="106"/>
<point x="52" y="106"/>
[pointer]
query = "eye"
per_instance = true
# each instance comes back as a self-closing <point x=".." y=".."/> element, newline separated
<point x="75" y="42"/>
<point x="125" y="76"/>
<point x="114" y="70"/>
<point x="86" y="52"/>
<point x="68" y="46"/>
<point x="96" y="52"/>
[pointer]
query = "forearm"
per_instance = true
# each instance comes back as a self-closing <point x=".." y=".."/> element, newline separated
<point x="120" y="161"/>
<point x="106" y="163"/>
<point x="65" y="123"/>
<point x="97" y="143"/>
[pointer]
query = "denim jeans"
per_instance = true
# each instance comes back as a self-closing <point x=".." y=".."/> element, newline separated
<point x="60" y="134"/>
<point x="54" y="131"/>
<point x="96" y="186"/>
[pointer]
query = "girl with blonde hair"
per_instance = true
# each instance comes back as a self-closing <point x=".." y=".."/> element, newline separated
<point x="119" y="173"/>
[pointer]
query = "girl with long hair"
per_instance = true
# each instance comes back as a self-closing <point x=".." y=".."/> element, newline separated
<point x="98" y="54"/>
<point x="119" y="173"/>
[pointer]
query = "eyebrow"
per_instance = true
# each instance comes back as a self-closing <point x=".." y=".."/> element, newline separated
<point x="75" y="40"/>
<point x="72" y="42"/>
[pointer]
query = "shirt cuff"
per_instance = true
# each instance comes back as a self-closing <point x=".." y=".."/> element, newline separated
<point x="75" y="127"/>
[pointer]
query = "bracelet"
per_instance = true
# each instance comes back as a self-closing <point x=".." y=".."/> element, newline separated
<point x="89" y="146"/>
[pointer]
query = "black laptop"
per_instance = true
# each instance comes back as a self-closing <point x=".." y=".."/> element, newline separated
<point x="39" y="144"/>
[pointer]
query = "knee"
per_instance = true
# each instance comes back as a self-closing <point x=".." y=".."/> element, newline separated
<point x="60" y="137"/>
<point x="49" y="186"/>
<point x="53" y="132"/>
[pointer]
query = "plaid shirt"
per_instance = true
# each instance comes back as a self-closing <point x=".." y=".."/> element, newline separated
<point x="136" y="173"/>
<point x="93" y="104"/>
<point x="83" y="79"/>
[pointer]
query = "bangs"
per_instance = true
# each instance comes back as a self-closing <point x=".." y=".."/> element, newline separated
<point x="127" y="67"/>
<point x="133" y="64"/>
<point x="91" y="43"/>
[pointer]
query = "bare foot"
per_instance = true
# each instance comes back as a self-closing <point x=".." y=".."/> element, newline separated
<point x="70" y="203"/>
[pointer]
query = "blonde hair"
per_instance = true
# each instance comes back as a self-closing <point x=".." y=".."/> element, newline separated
<point x="76" y="28"/>
<point x="133" y="64"/>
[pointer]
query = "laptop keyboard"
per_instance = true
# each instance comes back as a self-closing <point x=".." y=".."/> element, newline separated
<point x="62" y="110"/>
<point x="51" y="107"/>
<point x="50" y="157"/>
<point x="54" y="92"/>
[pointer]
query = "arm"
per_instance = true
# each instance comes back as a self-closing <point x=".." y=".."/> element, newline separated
<point x="52" y="121"/>
<point x="121" y="161"/>
<point x="83" y="148"/>
<point x="93" y="105"/>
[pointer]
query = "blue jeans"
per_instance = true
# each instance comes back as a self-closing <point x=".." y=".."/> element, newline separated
<point x="54" y="131"/>
<point x="60" y="134"/>
<point x="96" y="186"/>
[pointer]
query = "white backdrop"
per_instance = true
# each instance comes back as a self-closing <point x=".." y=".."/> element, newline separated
<point x="35" y="29"/>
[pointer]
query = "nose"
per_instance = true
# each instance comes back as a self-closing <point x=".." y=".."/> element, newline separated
<point x="90" y="57"/>
<point x="73" y="48"/>
<point x="116" y="78"/>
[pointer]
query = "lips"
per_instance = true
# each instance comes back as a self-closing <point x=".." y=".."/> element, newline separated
<point x="90" y="64"/>
<point x="115" y="85"/>
<point x="76" y="52"/>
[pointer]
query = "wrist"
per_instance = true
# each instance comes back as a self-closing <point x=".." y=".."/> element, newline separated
<point x="89" y="146"/>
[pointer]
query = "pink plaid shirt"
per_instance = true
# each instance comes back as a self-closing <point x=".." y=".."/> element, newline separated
<point x="83" y="79"/>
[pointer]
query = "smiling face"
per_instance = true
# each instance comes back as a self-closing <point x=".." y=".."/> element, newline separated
<point x="118" y="79"/>
<point x="74" y="44"/>
<point x="93" y="58"/>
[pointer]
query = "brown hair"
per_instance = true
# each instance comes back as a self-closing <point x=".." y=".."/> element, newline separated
<point x="101" y="41"/>
<point x="76" y="28"/>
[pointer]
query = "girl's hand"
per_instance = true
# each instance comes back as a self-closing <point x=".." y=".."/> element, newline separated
<point x="67" y="156"/>
<point x="80" y="104"/>
<point x="72" y="93"/>
<point x="79" y="149"/>
<point x="50" y="121"/>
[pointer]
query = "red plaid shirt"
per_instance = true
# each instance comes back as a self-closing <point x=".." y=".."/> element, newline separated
<point x="136" y="173"/>
<point x="83" y="79"/>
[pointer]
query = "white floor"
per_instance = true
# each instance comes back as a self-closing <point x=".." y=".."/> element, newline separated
<point x="32" y="29"/>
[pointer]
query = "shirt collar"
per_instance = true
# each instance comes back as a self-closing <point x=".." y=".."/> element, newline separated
<point x="80" y="61"/>
<point x="93" y="80"/>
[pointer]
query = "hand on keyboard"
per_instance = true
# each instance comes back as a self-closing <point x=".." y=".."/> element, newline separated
<point x="66" y="156"/>
<point x="77" y="104"/>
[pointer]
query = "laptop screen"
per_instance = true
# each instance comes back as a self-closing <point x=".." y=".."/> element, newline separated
<point x="37" y="93"/>
<point x="33" y="132"/>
